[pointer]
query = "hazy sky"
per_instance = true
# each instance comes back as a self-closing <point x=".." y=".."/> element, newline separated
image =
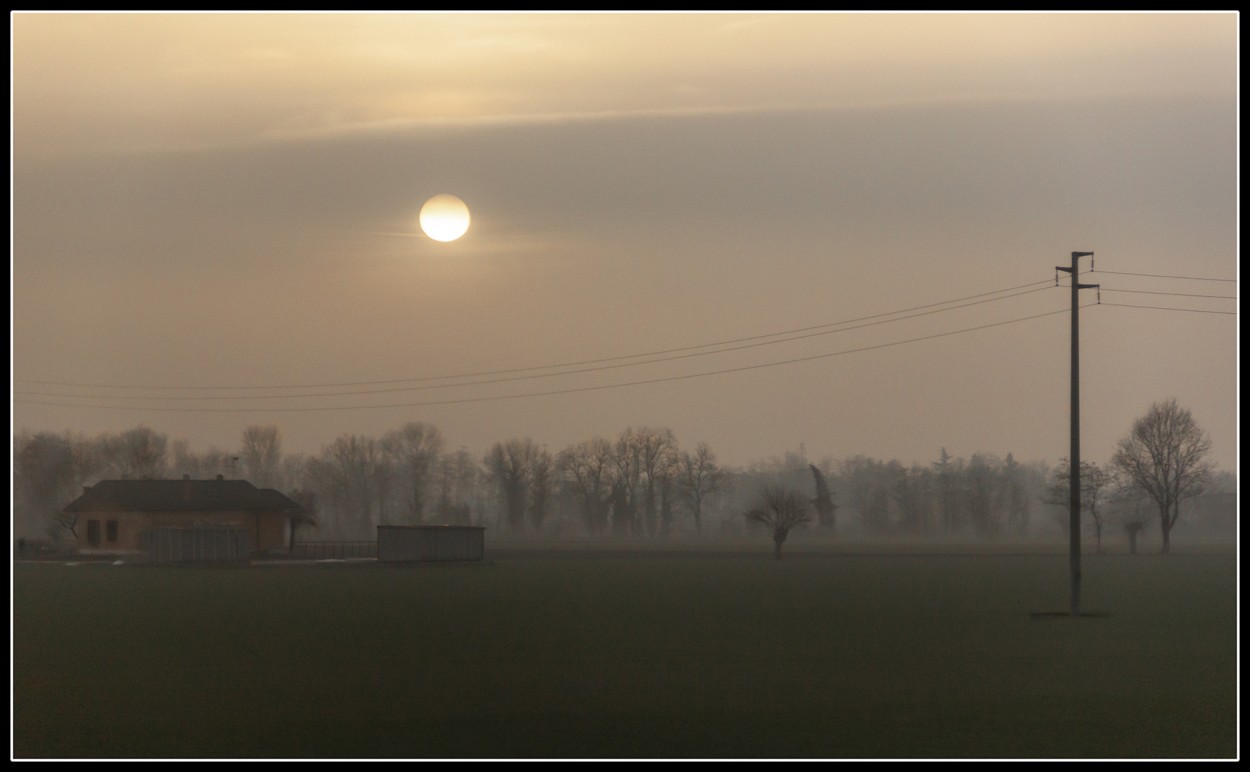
<point x="230" y="200"/>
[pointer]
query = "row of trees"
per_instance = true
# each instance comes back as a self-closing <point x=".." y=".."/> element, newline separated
<point x="1159" y="464"/>
<point x="640" y="483"/>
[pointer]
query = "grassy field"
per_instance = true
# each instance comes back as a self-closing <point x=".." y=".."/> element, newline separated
<point x="667" y="655"/>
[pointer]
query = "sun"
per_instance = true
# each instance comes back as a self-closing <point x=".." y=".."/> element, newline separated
<point x="444" y="218"/>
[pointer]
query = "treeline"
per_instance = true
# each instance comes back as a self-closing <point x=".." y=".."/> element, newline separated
<point x="641" y="483"/>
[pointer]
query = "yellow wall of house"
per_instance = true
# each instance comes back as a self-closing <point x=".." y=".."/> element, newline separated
<point x="265" y="530"/>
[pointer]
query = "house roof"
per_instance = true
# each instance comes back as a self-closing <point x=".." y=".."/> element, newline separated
<point x="179" y="496"/>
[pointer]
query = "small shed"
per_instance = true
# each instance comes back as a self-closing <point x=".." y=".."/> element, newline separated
<point x="428" y="543"/>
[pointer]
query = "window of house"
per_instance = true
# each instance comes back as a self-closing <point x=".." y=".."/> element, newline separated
<point x="110" y="530"/>
<point x="93" y="533"/>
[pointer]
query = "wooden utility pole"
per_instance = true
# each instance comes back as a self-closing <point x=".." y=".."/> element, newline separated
<point x="1074" y="454"/>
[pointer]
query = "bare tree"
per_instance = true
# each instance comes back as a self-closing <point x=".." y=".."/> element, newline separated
<point x="655" y="449"/>
<point x="1165" y="455"/>
<point x="261" y="454"/>
<point x="137" y="453"/>
<point x="779" y="509"/>
<point x="983" y="491"/>
<point x="542" y="481"/>
<point x="912" y="491"/>
<point x="698" y="477"/>
<point x="414" y="451"/>
<point x="627" y="472"/>
<point x="587" y="468"/>
<point x="1095" y="483"/>
<point x="949" y="473"/>
<point x="1015" y="495"/>
<point x="206" y="465"/>
<point x="349" y="473"/>
<point x="43" y="482"/>
<point x="512" y="466"/>
<point x="456" y="475"/>
<point x="865" y="482"/>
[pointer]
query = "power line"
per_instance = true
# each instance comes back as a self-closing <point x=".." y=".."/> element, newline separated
<point x="596" y="368"/>
<point x="1165" y="276"/>
<point x="1166" y="308"/>
<point x="1037" y="286"/>
<point x="573" y="390"/>
<point x="1175" y="294"/>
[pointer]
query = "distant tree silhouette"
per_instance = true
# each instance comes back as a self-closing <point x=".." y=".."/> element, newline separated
<point x="913" y="492"/>
<point x="306" y="516"/>
<point x="824" y="500"/>
<point x="43" y="483"/>
<point x="779" y="509"/>
<point x="456" y="474"/>
<point x="1165" y="455"/>
<point x="949" y="472"/>
<point x="413" y="451"/>
<point x="262" y="454"/>
<point x="1130" y="504"/>
<point x="1095" y="480"/>
<point x="699" y="477"/>
<point x="1015" y="497"/>
<point x="542" y="480"/>
<point x="865" y="486"/>
<point x="655" y="452"/>
<point x="521" y="470"/>
<point x="137" y="454"/>
<point x="587" y="469"/>
<point x="351" y="473"/>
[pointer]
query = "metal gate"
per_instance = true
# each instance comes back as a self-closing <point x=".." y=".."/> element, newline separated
<point x="211" y="544"/>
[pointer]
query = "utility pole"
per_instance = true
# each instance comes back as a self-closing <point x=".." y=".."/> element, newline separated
<point x="1074" y="454"/>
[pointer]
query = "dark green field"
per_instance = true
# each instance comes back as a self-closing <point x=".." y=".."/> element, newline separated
<point x="667" y="655"/>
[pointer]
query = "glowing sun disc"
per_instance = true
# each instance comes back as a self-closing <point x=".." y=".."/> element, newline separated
<point x="444" y="218"/>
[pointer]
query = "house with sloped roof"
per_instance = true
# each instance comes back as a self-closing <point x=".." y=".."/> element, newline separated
<point x="121" y="516"/>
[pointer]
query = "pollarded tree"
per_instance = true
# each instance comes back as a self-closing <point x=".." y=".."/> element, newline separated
<point x="779" y="509"/>
<point x="1131" y="505"/>
<point x="1165" y="455"/>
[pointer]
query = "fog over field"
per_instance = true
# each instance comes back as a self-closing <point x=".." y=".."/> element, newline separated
<point x="792" y="239"/>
